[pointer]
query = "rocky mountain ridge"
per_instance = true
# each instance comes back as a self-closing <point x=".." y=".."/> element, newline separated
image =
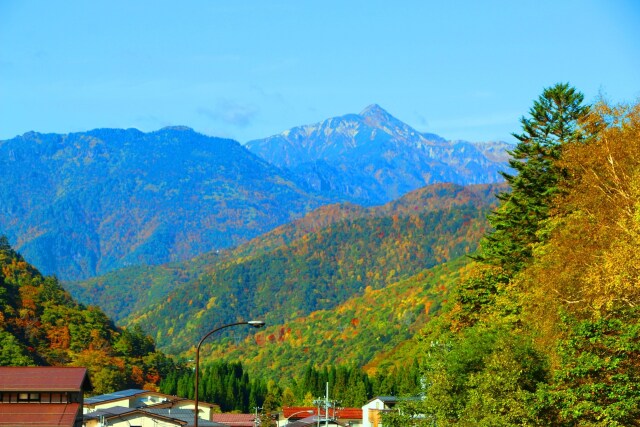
<point x="372" y="157"/>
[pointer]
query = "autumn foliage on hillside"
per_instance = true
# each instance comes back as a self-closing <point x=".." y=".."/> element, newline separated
<point x="547" y="331"/>
<point x="40" y="324"/>
<point x="366" y="332"/>
<point x="321" y="269"/>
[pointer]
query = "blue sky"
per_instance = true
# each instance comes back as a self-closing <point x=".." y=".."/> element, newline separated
<point x="251" y="69"/>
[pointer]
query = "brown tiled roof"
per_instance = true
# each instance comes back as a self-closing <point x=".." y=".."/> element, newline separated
<point x="235" y="420"/>
<point x="38" y="414"/>
<point x="42" y="378"/>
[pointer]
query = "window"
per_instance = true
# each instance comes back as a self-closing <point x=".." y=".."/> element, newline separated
<point x="31" y="397"/>
<point x="8" y="397"/>
<point x="28" y="397"/>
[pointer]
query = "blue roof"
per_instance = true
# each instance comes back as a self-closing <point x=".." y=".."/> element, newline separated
<point x="113" y="396"/>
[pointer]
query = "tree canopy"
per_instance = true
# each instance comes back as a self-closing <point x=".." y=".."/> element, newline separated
<point x="547" y="332"/>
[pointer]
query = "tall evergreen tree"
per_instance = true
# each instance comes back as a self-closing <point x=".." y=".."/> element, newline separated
<point x="553" y="122"/>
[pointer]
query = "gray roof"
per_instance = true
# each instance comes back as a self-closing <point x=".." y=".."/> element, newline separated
<point x="165" y="411"/>
<point x="115" y="410"/>
<point x="389" y="399"/>
<point x="311" y="421"/>
<point x="183" y="415"/>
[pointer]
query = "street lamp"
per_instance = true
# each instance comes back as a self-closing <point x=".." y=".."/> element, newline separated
<point x="254" y="323"/>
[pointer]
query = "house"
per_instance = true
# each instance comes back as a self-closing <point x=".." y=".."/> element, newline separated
<point x="42" y="396"/>
<point x="119" y="416"/>
<point x="308" y="415"/>
<point x="136" y="398"/>
<point x="372" y="411"/>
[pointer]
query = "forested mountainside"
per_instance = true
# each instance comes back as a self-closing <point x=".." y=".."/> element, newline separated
<point x="135" y="289"/>
<point x="40" y="324"/>
<point x="318" y="271"/>
<point x="373" y="158"/>
<point x="86" y="203"/>
<point x="546" y="332"/>
<point x="363" y="348"/>
<point x="367" y="331"/>
<point x="290" y="275"/>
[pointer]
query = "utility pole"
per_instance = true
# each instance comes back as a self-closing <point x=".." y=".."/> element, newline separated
<point x="325" y="403"/>
<point x="326" y="406"/>
<point x="256" y="420"/>
<point x="317" y="402"/>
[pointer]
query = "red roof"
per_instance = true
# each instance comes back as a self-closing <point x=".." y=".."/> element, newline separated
<point x="349" y="413"/>
<point x="42" y="378"/>
<point x="302" y="412"/>
<point x="298" y="411"/>
<point x="39" y="414"/>
<point x="235" y="420"/>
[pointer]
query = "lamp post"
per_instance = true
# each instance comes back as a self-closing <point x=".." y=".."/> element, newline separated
<point x="254" y="323"/>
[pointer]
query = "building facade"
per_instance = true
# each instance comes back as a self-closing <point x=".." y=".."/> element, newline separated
<point x="42" y="396"/>
<point x="135" y="407"/>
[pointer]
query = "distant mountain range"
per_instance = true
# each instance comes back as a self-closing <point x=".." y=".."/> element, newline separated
<point x="87" y="203"/>
<point x="83" y="204"/>
<point x="372" y="157"/>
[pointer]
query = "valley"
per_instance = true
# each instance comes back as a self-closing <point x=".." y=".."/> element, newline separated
<point x="471" y="295"/>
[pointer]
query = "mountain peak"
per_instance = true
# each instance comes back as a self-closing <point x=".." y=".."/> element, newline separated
<point x="377" y="117"/>
<point x="177" y="129"/>
<point x="373" y="110"/>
